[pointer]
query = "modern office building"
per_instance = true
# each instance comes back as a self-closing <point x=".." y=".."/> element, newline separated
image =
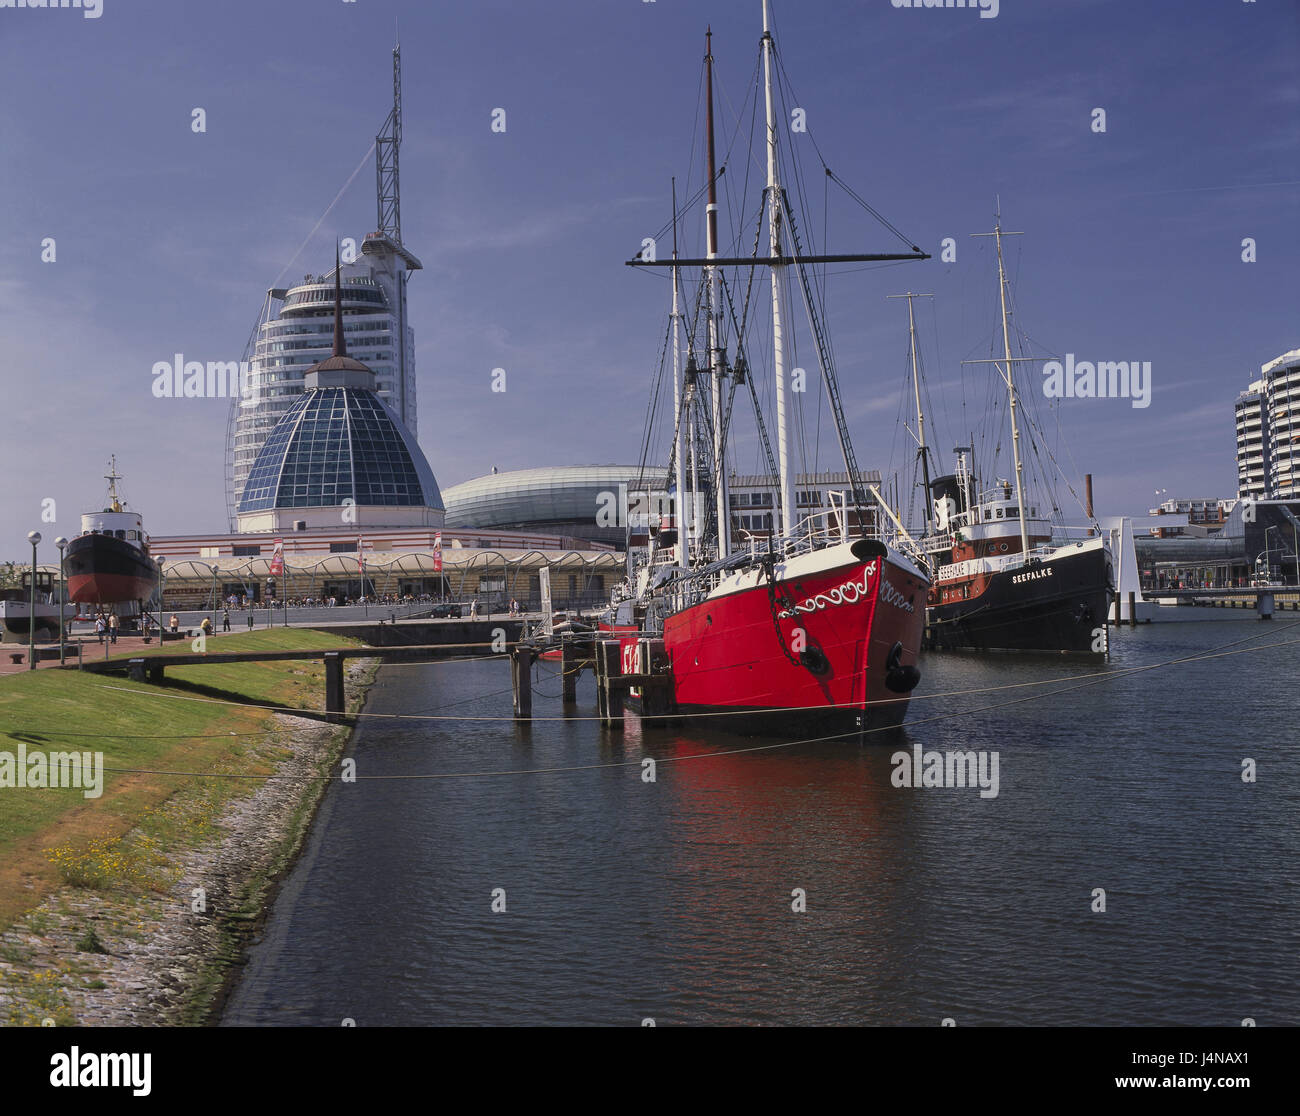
<point x="1191" y="517"/>
<point x="1268" y="432"/>
<point x="295" y="326"/>
<point x="296" y="333"/>
<point x="339" y="455"/>
<point x="753" y="499"/>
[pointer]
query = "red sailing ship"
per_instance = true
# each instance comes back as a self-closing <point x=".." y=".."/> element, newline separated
<point x="817" y="626"/>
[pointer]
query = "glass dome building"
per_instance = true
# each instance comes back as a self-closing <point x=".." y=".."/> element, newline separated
<point x="339" y="454"/>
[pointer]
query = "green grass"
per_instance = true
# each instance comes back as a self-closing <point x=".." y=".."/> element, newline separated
<point x="68" y="709"/>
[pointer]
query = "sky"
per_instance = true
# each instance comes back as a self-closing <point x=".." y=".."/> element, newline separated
<point x="166" y="238"/>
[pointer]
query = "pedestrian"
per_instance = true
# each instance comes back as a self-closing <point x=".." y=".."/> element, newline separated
<point x="175" y="623"/>
<point x="100" y="627"/>
<point x="250" y="621"/>
<point x="206" y="626"/>
<point x="112" y="627"/>
<point x="225" y="619"/>
<point x="473" y="608"/>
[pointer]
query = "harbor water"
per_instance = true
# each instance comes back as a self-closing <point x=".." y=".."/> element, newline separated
<point x="763" y="882"/>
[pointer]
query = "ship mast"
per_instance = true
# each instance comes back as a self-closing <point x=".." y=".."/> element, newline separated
<point x="683" y="506"/>
<point x="922" y="452"/>
<point x="998" y="234"/>
<point x="778" y="272"/>
<point x="113" y="476"/>
<point x="717" y="365"/>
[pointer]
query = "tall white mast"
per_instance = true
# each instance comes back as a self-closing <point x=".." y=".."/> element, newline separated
<point x="1011" y="388"/>
<point x="716" y="366"/>
<point x="920" y="411"/>
<point x="684" y="505"/>
<point x="777" y="270"/>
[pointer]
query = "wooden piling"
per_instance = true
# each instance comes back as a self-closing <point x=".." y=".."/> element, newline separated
<point x="609" y="658"/>
<point x="1132" y="610"/>
<point x="570" y="668"/>
<point x="333" y="687"/>
<point x="652" y="659"/>
<point x="521" y="680"/>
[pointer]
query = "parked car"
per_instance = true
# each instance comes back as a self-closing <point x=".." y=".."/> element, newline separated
<point x="446" y="611"/>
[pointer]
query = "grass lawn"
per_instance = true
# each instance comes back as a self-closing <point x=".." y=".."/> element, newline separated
<point x="63" y="710"/>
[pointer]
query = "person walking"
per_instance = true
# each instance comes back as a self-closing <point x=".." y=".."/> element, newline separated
<point x="225" y="619"/>
<point x="100" y="627"/>
<point x="112" y="627"/>
<point x="473" y="608"/>
<point x="175" y="623"/>
<point x="250" y="621"/>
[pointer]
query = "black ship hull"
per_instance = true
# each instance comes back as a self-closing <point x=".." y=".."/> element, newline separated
<point x="104" y="570"/>
<point x="1057" y="606"/>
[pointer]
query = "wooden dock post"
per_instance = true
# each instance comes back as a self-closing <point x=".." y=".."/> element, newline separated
<point x="657" y="696"/>
<point x="521" y="680"/>
<point x="609" y="659"/>
<point x="570" y="668"/>
<point x="1132" y="610"/>
<point x="598" y="668"/>
<point x="333" y="687"/>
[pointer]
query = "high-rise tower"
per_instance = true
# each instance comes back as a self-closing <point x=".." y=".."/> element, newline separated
<point x="1268" y="432"/>
<point x="295" y="326"/>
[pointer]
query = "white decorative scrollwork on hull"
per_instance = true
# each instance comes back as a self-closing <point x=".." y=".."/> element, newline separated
<point x="849" y="593"/>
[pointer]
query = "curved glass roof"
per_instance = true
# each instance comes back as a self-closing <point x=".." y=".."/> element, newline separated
<point x="558" y="494"/>
<point x="335" y="444"/>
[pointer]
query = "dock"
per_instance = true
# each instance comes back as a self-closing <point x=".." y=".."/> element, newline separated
<point x="650" y="683"/>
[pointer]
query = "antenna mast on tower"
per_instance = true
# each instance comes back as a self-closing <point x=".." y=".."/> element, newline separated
<point x="387" y="145"/>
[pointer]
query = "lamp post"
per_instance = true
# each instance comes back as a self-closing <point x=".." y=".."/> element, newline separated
<point x="270" y="609"/>
<point x="61" y="543"/>
<point x="33" y="537"/>
<point x="162" y="588"/>
<point x="285" y="598"/>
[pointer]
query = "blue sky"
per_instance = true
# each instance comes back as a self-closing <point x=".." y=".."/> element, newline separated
<point x="167" y="239"/>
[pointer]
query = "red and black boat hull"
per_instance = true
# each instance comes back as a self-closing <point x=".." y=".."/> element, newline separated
<point x="1058" y="606"/>
<point x="102" y="569"/>
<point x="828" y="651"/>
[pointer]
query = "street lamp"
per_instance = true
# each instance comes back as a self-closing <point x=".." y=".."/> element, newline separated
<point x="270" y="596"/>
<point x="61" y="543"/>
<point x="33" y="537"/>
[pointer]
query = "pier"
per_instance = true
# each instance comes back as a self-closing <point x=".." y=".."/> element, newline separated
<point x="652" y="680"/>
<point x="1264" y="599"/>
<point x="151" y="668"/>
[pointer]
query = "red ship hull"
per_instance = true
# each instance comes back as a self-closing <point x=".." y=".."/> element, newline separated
<point x="105" y="570"/>
<point x="109" y="588"/>
<point x="841" y="643"/>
